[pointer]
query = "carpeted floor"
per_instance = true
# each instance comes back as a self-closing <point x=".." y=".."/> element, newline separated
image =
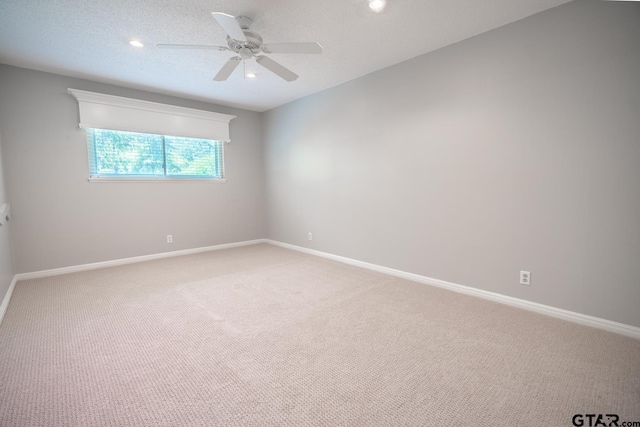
<point x="264" y="336"/>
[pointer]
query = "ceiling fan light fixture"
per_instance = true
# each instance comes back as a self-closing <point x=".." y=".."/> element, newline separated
<point x="251" y="75"/>
<point x="245" y="53"/>
<point x="136" y="43"/>
<point x="377" y="5"/>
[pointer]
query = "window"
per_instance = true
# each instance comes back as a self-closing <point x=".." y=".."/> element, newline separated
<point x="119" y="154"/>
<point x="126" y="142"/>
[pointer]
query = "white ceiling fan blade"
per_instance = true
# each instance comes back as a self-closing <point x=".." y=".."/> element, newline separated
<point x="227" y="69"/>
<point x="276" y="68"/>
<point x="190" y="46"/>
<point x="230" y="26"/>
<point x="291" y="48"/>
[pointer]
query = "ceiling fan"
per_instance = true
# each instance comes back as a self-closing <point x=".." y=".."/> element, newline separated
<point x="248" y="44"/>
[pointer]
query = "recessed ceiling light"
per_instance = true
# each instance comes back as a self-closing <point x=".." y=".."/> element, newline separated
<point x="377" y="5"/>
<point x="251" y="75"/>
<point x="136" y="43"/>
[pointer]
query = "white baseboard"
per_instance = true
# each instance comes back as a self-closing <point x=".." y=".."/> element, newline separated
<point x="113" y="263"/>
<point x="7" y="297"/>
<point x="583" y="319"/>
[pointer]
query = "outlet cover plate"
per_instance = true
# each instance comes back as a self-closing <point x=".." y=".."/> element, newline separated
<point x="525" y="278"/>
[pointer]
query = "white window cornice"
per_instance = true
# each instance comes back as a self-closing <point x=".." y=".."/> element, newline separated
<point x="102" y="111"/>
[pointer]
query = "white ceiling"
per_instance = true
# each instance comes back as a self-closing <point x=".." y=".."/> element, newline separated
<point x="89" y="38"/>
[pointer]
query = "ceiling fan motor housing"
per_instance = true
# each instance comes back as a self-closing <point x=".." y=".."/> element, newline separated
<point x="254" y="42"/>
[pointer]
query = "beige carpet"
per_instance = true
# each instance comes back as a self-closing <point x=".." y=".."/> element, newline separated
<point x="261" y="336"/>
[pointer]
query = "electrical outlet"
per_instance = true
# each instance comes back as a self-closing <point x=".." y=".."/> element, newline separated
<point x="525" y="278"/>
<point x="5" y="213"/>
<point x="310" y="236"/>
<point x="169" y="238"/>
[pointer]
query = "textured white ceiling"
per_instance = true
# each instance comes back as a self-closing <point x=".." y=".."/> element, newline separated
<point x="89" y="38"/>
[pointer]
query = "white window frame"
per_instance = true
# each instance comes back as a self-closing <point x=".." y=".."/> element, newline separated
<point x="92" y="154"/>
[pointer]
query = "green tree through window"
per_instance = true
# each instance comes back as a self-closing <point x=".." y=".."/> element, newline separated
<point x="128" y="154"/>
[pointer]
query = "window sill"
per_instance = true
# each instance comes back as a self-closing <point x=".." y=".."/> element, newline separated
<point x="125" y="179"/>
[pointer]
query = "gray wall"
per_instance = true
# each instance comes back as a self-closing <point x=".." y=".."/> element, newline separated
<point x="516" y="149"/>
<point x="6" y="258"/>
<point x="60" y="219"/>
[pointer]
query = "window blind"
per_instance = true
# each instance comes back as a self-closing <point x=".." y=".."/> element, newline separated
<point x="115" y="153"/>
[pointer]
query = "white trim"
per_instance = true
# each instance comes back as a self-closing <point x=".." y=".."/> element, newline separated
<point x="7" y="297"/>
<point x="157" y="179"/>
<point x="156" y="107"/>
<point x="582" y="319"/>
<point x="102" y="111"/>
<point x="132" y="260"/>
